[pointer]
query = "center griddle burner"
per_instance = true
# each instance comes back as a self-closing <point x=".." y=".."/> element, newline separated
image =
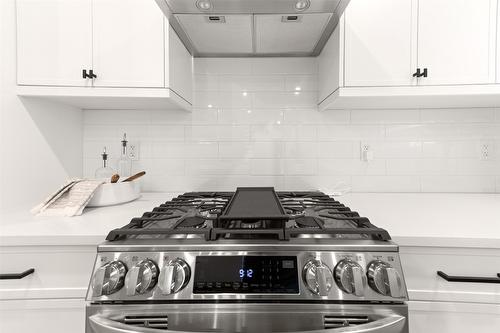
<point x="250" y="213"/>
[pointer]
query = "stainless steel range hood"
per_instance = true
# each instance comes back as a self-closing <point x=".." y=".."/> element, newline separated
<point x="245" y="28"/>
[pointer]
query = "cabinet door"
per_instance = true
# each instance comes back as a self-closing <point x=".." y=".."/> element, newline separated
<point x="378" y="43"/>
<point x="128" y="43"/>
<point x="43" y="316"/>
<point x="329" y="65"/>
<point x="456" y="41"/>
<point x="178" y="66"/>
<point x="443" y="317"/>
<point x="54" y="42"/>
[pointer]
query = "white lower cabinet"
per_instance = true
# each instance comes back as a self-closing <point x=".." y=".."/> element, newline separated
<point x="453" y="317"/>
<point x="42" y="316"/>
<point x="60" y="271"/>
<point x="440" y="306"/>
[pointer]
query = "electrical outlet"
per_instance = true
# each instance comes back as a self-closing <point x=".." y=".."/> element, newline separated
<point x="485" y="150"/>
<point x="366" y="152"/>
<point x="133" y="151"/>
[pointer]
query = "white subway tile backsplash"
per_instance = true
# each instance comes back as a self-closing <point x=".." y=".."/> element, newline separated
<point x="313" y="116"/>
<point x="451" y="149"/>
<point x="301" y="83"/>
<point x="220" y="66"/>
<point x="384" y="116"/>
<point x="234" y="100"/>
<point x="217" y="167"/>
<point x="404" y="132"/>
<point x="479" y="131"/>
<point x="255" y="123"/>
<point x="350" y="167"/>
<point x="204" y="82"/>
<point x="300" y="167"/>
<point x="298" y="99"/>
<point x="284" y="66"/>
<point x="267" y="167"/>
<point x="470" y="115"/>
<point x="394" y="149"/>
<point x="295" y="149"/>
<point x="251" y="83"/>
<point x="166" y="133"/>
<point x="338" y="149"/>
<point x="386" y="184"/>
<point x="248" y="116"/>
<point x="351" y="132"/>
<point x="111" y="117"/>
<point x="233" y="133"/>
<point x="201" y="133"/>
<point x="442" y="183"/>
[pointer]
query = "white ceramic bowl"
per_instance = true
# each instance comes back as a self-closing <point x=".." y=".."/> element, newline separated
<point x="113" y="194"/>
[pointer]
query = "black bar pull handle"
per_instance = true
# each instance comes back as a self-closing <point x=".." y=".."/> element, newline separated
<point x="17" y="276"/>
<point x="92" y="75"/>
<point x="452" y="278"/>
<point x="417" y="73"/>
<point x="84" y="74"/>
<point x="424" y="73"/>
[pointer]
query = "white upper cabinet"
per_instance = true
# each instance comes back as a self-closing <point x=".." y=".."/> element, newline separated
<point x="498" y="42"/>
<point x="456" y="41"/>
<point x="178" y="66"/>
<point x="130" y="55"/>
<point x="329" y="66"/>
<point x="128" y="43"/>
<point x="54" y="40"/>
<point x="378" y="43"/>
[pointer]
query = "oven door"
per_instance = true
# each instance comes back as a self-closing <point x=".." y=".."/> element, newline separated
<point x="247" y="318"/>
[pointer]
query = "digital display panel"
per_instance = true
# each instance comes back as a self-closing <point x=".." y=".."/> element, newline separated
<point x="246" y="274"/>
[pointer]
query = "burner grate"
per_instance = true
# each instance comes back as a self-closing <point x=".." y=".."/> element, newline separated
<point x="250" y="213"/>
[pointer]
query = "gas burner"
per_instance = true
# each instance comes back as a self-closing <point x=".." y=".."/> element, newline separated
<point x="192" y="222"/>
<point x="309" y="222"/>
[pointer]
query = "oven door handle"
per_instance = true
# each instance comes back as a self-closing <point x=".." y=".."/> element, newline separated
<point x="393" y="324"/>
<point x="100" y="324"/>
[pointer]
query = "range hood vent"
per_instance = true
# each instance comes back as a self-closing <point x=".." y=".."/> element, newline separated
<point x="243" y="28"/>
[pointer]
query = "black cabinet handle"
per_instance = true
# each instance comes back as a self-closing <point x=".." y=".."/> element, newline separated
<point x="92" y="75"/>
<point x="84" y="74"/>
<point x="424" y="73"/>
<point x="451" y="278"/>
<point x="417" y="73"/>
<point x="17" y="276"/>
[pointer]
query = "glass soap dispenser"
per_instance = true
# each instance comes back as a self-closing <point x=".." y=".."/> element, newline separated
<point x="104" y="172"/>
<point x="124" y="163"/>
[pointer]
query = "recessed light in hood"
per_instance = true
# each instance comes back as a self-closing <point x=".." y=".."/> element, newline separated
<point x="253" y="27"/>
<point x="204" y="5"/>
<point x="302" y="5"/>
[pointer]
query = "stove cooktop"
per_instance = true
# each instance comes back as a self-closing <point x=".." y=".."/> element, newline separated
<point x="250" y="213"/>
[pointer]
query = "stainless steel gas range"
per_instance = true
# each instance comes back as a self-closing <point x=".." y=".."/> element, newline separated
<point x="254" y="260"/>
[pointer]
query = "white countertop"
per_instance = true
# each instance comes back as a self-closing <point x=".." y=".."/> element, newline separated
<point x="412" y="219"/>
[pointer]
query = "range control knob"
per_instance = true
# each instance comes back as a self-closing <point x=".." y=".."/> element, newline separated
<point x="318" y="277"/>
<point x="108" y="278"/>
<point x="385" y="279"/>
<point x="174" y="276"/>
<point x="141" y="278"/>
<point x="350" y="277"/>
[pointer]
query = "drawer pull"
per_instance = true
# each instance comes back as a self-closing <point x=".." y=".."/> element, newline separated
<point x="17" y="276"/>
<point x="452" y="278"/>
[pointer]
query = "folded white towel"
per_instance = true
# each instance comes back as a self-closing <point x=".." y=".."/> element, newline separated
<point x="69" y="200"/>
